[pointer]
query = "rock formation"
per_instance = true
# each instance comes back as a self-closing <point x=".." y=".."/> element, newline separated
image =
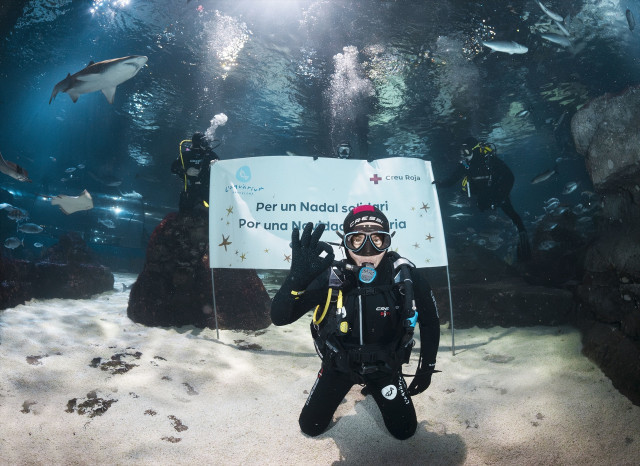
<point x="487" y="292"/>
<point x="67" y="270"/>
<point x="174" y="288"/>
<point x="607" y="133"/>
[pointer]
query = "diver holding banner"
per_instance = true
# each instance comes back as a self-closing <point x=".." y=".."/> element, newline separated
<point x="192" y="166"/>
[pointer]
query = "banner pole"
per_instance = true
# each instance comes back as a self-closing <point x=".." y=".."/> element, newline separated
<point x="213" y="288"/>
<point x="453" y="331"/>
<point x="215" y="310"/>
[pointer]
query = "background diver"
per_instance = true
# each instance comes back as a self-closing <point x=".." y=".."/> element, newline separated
<point x="193" y="167"/>
<point x="363" y="320"/>
<point x="488" y="178"/>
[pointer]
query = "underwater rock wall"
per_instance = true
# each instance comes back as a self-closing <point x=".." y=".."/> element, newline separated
<point x="67" y="271"/>
<point x="174" y="288"/>
<point x="487" y="292"/>
<point x="607" y="133"/>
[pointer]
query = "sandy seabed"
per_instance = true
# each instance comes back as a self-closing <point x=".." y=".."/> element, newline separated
<point x="82" y="384"/>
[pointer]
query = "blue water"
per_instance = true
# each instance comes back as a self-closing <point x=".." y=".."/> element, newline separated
<point x="395" y="78"/>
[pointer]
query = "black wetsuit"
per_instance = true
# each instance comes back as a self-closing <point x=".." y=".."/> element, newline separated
<point x="197" y="179"/>
<point x="380" y="319"/>
<point x="490" y="180"/>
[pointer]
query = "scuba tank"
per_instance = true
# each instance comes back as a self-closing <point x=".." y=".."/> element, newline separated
<point x="401" y="268"/>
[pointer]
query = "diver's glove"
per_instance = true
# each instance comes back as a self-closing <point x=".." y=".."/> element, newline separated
<point x="422" y="380"/>
<point x="435" y="182"/>
<point x="306" y="263"/>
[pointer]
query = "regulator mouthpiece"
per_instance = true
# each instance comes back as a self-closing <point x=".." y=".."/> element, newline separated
<point x="367" y="273"/>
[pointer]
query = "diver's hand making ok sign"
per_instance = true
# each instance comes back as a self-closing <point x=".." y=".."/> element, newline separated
<point x="306" y="261"/>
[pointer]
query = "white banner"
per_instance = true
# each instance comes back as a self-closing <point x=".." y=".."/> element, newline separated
<point x="256" y="202"/>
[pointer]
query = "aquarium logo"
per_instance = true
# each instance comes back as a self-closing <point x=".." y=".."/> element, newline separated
<point x="243" y="175"/>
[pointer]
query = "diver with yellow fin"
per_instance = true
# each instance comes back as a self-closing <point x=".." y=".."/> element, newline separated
<point x="193" y="167"/>
<point x="488" y="178"/>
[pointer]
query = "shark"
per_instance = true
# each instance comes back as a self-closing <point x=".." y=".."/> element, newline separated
<point x="557" y="39"/>
<point x="509" y="47"/>
<point x="554" y="16"/>
<point x="102" y="76"/>
<point x="13" y="170"/>
<point x="71" y="204"/>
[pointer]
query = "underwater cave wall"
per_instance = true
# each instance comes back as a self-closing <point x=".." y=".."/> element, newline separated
<point x="607" y="133"/>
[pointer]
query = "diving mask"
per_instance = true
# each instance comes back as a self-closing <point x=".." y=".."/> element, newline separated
<point x="367" y="243"/>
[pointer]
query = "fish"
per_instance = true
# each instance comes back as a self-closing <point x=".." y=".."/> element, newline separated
<point x="37" y="245"/>
<point x="578" y="209"/>
<point x="102" y="76"/>
<point x="132" y="195"/>
<point x="544" y="176"/>
<point x="551" y="205"/>
<point x="631" y="21"/>
<point x="107" y="223"/>
<point x="562" y="28"/>
<point x="70" y="170"/>
<point x="546" y="245"/>
<point x="13" y="242"/>
<point x="509" y="47"/>
<point x="522" y="113"/>
<point x="557" y="39"/>
<point x="550" y="14"/>
<point x="457" y="204"/>
<point x="570" y="187"/>
<point x="13" y="170"/>
<point x="71" y="204"/>
<point x="106" y="179"/>
<point x="5" y="206"/>
<point x="460" y="215"/>
<point x="30" y="228"/>
<point x="16" y="213"/>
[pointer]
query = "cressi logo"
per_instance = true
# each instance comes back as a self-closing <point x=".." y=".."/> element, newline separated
<point x="243" y="174"/>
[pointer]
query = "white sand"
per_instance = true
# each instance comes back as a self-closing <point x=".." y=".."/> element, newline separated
<point x="509" y="396"/>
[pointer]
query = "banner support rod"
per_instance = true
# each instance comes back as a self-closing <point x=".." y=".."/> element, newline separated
<point x="215" y="310"/>
<point x="453" y="331"/>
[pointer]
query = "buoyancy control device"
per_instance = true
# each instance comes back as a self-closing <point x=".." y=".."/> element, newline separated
<point x="337" y="328"/>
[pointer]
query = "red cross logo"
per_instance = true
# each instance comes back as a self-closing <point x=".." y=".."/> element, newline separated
<point x="375" y="178"/>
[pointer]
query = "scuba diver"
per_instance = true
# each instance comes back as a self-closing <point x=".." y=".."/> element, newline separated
<point x="193" y="166"/>
<point x="490" y="180"/>
<point x="366" y="309"/>
<point x="344" y="150"/>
